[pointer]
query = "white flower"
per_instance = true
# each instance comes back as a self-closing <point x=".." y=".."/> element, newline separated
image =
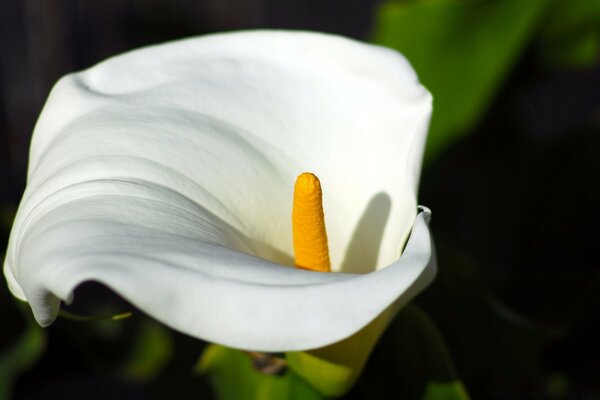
<point x="167" y="174"/>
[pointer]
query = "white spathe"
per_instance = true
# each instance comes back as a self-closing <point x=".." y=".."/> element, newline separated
<point x="166" y="173"/>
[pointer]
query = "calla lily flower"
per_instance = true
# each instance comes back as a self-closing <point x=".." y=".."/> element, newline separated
<point x="167" y="174"/>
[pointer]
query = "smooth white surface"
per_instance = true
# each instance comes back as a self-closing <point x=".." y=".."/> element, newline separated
<point x="167" y="173"/>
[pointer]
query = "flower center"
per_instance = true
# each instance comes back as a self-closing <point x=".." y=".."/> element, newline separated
<point x="308" y="225"/>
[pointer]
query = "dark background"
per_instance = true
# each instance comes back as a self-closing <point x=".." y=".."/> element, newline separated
<point x="515" y="211"/>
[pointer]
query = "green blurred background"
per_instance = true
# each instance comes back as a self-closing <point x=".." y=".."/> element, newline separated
<point x="511" y="174"/>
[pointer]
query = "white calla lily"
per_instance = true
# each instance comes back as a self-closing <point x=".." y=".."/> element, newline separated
<point x="166" y="174"/>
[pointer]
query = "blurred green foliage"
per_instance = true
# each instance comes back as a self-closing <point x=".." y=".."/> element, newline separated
<point x="464" y="50"/>
<point x="445" y="391"/>
<point x="570" y="37"/>
<point x="149" y="354"/>
<point x="461" y="51"/>
<point x="489" y="340"/>
<point x="233" y="377"/>
<point x="411" y="362"/>
<point x="22" y="352"/>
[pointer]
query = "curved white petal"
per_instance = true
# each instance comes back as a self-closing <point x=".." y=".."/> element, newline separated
<point x="160" y="171"/>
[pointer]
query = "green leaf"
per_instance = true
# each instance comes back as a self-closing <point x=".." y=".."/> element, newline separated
<point x="412" y="362"/>
<point x="21" y="354"/>
<point x="335" y="368"/>
<point x="151" y="351"/>
<point x="445" y="391"/>
<point x="486" y="337"/>
<point x="233" y="377"/>
<point x="570" y="37"/>
<point x="462" y="51"/>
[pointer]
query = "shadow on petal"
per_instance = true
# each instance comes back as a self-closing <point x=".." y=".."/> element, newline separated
<point x="363" y="250"/>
